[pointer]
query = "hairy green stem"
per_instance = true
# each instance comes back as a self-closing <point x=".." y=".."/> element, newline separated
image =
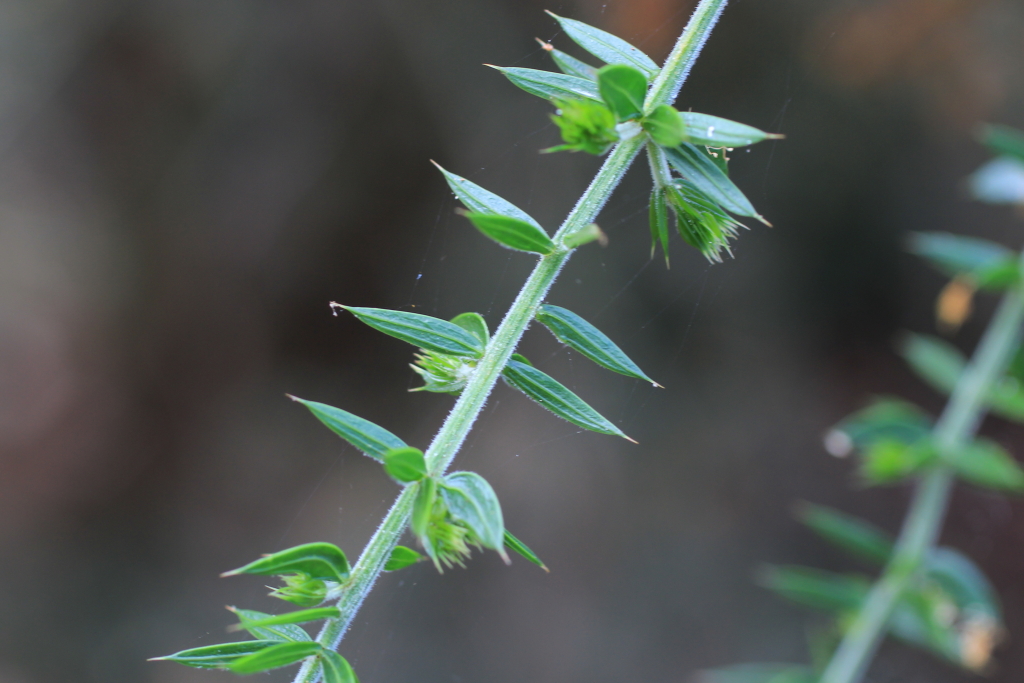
<point x="956" y="426"/>
<point x="456" y="427"/>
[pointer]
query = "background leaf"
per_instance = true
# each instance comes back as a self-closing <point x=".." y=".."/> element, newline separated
<point x="605" y="46"/>
<point x="937" y="362"/>
<point x="816" y="588"/>
<point x="989" y="264"/>
<point x="986" y="463"/>
<point x="363" y="434"/>
<point x="423" y="331"/>
<point x="847" y="532"/>
<point x="758" y="673"/>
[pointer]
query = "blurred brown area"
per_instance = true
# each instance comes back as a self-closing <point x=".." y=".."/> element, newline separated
<point x="185" y="185"/>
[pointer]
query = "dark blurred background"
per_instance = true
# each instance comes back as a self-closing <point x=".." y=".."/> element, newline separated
<point x="186" y="184"/>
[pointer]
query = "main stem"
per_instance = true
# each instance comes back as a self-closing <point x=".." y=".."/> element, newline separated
<point x="956" y="426"/>
<point x="456" y="427"/>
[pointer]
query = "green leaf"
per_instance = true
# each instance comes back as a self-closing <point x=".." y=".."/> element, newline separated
<point x="423" y="506"/>
<point x="658" y="216"/>
<point x="590" y="232"/>
<point x="550" y="394"/>
<point x="816" y="588"/>
<point x="937" y="362"/>
<point x="606" y="47"/>
<point x="964" y="582"/>
<point x="759" y="673"/>
<point x="569" y="64"/>
<point x="259" y="620"/>
<point x="512" y="232"/>
<point x="712" y="131"/>
<point x="274" y="657"/>
<point x="698" y="169"/>
<point x="471" y="500"/>
<point x="1003" y="140"/>
<point x="990" y="265"/>
<point x="513" y="543"/>
<point x="363" y="434"/>
<point x="623" y="89"/>
<point x="549" y="85"/>
<point x="432" y="334"/>
<point x="217" y="656"/>
<point x="255" y="623"/>
<point x="315" y="560"/>
<point x="849" y="533"/>
<point x="886" y="418"/>
<point x="665" y="126"/>
<point x="576" y="332"/>
<point x="986" y="463"/>
<point x="405" y="465"/>
<point x="336" y="668"/>
<point x="888" y="460"/>
<point x="402" y="557"/>
<point x="475" y="324"/>
<point x="479" y="200"/>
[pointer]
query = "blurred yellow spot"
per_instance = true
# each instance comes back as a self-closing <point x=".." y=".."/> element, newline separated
<point x="954" y="304"/>
<point x="978" y="637"/>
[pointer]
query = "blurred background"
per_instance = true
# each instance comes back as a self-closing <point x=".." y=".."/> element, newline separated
<point x="186" y="184"/>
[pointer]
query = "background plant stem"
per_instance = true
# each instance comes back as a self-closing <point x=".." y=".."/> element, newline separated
<point x="456" y="427"/>
<point x="956" y="426"/>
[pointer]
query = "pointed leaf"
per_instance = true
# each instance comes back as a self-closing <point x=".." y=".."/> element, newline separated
<point x="551" y="86"/>
<point x="217" y="656"/>
<point x="258" y="620"/>
<point x="513" y="543"/>
<point x="758" y="673"/>
<point x="274" y="657"/>
<point x="405" y="465"/>
<point x="698" y="169"/>
<point x="282" y="632"/>
<point x="470" y="499"/>
<point x="573" y="330"/>
<point x="816" y="588"/>
<point x="424" y="331"/>
<point x="568" y="64"/>
<point x="402" y="557"/>
<point x="550" y="394"/>
<point x="986" y="463"/>
<point x="659" y="222"/>
<point x="475" y="324"/>
<point x="423" y="506"/>
<point x="363" y="434"/>
<point x="847" y="532"/>
<point x="606" y="47"/>
<point x="336" y="668"/>
<point x="315" y="560"/>
<point x="990" y="265"/>
<point x="512" y="232"/>
<point x="715" y="132"/>
<point x="623" y="89"/>
<point x="937" y="362"/>
<point x="665" y="126"/>
<point x="479" y="200"/>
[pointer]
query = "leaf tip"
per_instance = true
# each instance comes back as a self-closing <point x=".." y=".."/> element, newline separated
<point x="630" y="440"/>
<point x="157" y="659"/>
<point x="764" y="220"/>
<point x="551" y="14"/>
<point x="655" y="384"/>
<point x="335" y="306"/>
<point x="545" y="45"/>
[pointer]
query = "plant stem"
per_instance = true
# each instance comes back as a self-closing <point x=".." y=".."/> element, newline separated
<point x="470" y="403"/>
<point x="957" y="425"/>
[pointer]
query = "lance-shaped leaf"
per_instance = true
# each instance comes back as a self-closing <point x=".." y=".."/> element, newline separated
<point x="623" y="89"/>
<point x="336" y="668"/>
<point x="606" y="47"/>
<point x="758" y="673"/>
<point x="405" y="465"/>
<point x="475" y="324"/>
<point x="217" y="656"/>
<point x="471" y="500"/>
<point x="402" y="557"/>
<point x="1003" y="140"/>
<point x="550" y="394"/>
<point x="258" y="624"/>
<point x="363" y="434"/>
<point x="315" y="560"/>
<point x="274" y="657"/>
<point x="885" y="418"/>
<point x="987" y="464"/>
<point x="479" y="200"/>
<point x="989" y="265"/>
<point x="937" y="362"/>
<point x="569" y="64"/>
<point x="847" y="532"/>
<point x="576" y="332"/>
<point x="258" y="621"/>
<point x="423" y="506"/>
<point x="423" y="331"/>
<point x="665" y="126"/>
<point x="513" y="543"/>
<point x="712" y="131"/>
<point x="512" y="232"/>
<point x="658" y="216"/>
<point x="816" y="588"/>
<point x="549" y="85"/>
<point x="702" y="173"/>
<point x="888" y="460"/>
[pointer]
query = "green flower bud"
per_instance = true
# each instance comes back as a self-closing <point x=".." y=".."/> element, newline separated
<point x="586" y="126"/>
